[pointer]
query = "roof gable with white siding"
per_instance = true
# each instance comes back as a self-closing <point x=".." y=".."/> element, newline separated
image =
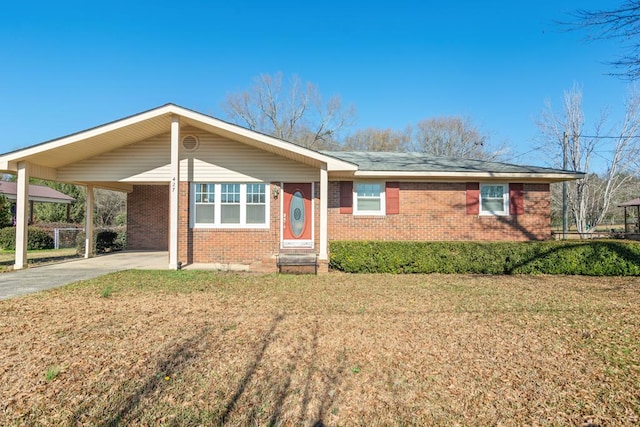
<point x="137" y="149"/>
<point x="216" y="158"/>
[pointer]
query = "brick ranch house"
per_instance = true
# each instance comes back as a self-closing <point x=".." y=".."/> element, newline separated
<point x="207" y="191"/>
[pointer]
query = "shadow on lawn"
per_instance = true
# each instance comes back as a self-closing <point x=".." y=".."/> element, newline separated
<point x="282" y="388"/>
<point x="304" y="356"/>
<point x="7" y="264"/>
<point x="333" y="377"/>
<point x="172" y="363"/>
<point x="231" y="404"/>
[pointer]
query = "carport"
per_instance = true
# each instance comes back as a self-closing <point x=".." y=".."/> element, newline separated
<point x="86" y="159"/>
<point x="631" y="227"/>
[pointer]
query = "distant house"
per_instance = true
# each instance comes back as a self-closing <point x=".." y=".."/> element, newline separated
<point x="37" y="193"/>
<point x="208" y="191"/>
<point x="631" y="221"/>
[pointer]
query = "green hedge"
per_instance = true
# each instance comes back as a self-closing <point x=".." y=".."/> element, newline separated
<point x="37" y="239"/>
<point x="591" y="258"/>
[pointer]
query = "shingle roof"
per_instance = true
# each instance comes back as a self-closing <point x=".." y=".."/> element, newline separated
<point x="421" y="162"/>
<point x="634" y="202"/>
<point x="37" y="193"/>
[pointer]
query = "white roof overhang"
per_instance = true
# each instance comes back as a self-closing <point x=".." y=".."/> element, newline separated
<point x="48" y="156"/>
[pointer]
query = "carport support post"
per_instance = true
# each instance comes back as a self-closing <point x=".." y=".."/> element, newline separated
<point x="324" y="194"/>
<point x="88" y="223"/>
<point x="22" y="215"/>
<point x="174" y="198"/>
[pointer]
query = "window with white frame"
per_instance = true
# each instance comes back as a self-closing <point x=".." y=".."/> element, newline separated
<point x="204" y="209"/>
<point x="369" y="198"/>
<point x="494" y="199"/>
<point x="229" y="205"/>
<point x="256" y="204"/>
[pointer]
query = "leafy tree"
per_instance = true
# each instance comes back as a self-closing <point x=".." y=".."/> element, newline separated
<point x="57" y="212"/>
<point x="619" y="23"/>
<point x="289" y="110"/>
<point x="591" y="198"/>
<point x="5" y="212"/>
<point x="110" y="206"/>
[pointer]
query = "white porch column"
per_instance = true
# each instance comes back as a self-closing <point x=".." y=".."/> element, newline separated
<point x="88" y="222"/>
<point x="174" y="198"/>
<point x="22" y="216"/>
<point x="324" y="212"/>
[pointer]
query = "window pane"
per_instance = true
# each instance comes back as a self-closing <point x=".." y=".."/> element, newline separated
<point x="205" y="193"/>
<point x="370" y="190"/>
<point x="205" y="214"/>
<point x="492" y="191"/>
<point x="230" y="214"/>
<point x="256" y="206"/>
<point x="255" y="214"/>
<point x="493" y="205"/>
<point x="492" y="197"/>
<point x="368" y="204"/>
<point x="230" y="193"/>
<point x="255" y="193"/>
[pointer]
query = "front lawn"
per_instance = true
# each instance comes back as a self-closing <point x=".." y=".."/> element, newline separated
<point x="203" y="348"/>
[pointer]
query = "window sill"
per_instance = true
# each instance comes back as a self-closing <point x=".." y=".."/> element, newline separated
<point x="231" y="227"/>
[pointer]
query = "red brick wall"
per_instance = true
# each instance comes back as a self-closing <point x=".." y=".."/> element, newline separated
<point x="148" y="218"/>
<point x="437" y="211"/>
<point x="252" y="247"/>
<point x="428" y="211"/>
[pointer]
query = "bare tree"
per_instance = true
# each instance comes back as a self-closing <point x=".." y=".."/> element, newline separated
<point x="621" y="23"/>
<point x="292" y="110"/>
<point x="372" y="139"/>
<point x="453" y="137"/>
<point x="110" y="206"/>
<point x="616" y="150"/>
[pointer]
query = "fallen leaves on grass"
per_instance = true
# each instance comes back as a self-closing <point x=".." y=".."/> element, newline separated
<point x="202" y="348"/>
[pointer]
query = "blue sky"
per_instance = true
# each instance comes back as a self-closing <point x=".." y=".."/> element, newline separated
<point x="69" y="65"/>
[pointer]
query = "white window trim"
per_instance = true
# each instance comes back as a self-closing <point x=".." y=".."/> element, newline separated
<point x="383" y="203"/>
<point x="218" y="207"/>
<point x="505" y="199"/>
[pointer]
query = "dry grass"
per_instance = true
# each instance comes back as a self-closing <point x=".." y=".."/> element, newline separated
<point x="47" y="256"/>
<point x="201" y="348"/>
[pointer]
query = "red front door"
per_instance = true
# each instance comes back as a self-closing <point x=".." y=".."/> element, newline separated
<point x="297" y="215"/>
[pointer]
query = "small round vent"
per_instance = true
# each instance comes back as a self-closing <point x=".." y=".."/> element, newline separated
<point x="190" y="142"/>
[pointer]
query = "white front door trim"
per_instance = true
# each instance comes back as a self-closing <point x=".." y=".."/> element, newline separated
<point x="296" y="244"/>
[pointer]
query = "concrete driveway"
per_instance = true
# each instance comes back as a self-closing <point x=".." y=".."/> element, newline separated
<point x="36" y="279"/>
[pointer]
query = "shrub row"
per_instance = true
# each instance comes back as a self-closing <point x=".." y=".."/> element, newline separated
<point x="66" y="237"/>
<point x="591" y="258"/>
<point x="37" y="239"/>
<point x="105" y="240"/>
